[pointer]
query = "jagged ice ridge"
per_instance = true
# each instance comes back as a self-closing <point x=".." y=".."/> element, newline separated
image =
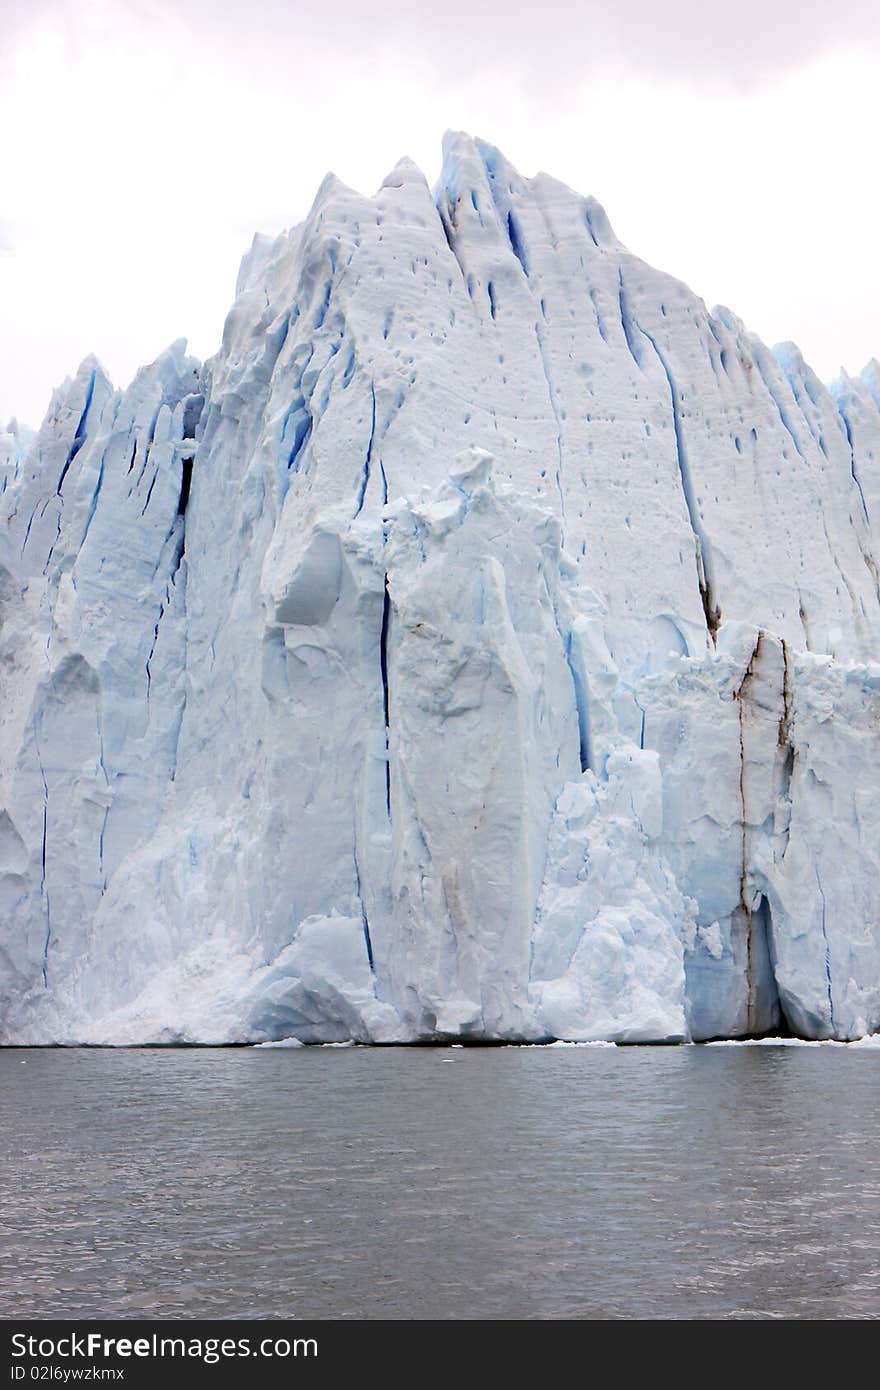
<point x="483" y="644"/>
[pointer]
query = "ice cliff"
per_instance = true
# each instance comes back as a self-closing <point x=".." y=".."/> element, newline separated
<point x="483" y="644"/>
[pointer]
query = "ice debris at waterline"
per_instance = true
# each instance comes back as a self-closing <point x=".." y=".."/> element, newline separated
<point x="482" y="645"/>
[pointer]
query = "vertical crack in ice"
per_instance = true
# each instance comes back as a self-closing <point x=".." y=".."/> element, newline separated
<point x="702" y="548"/>
<point x="321" y="312"/>
<point x="365" y="476"/>
<point x="151" y="435"/>
<point x="837" y="565"/>
<point x="827" y="951"/>
<point x="365" y="922"/>
<point x="600" y="322"/>
<point x="780" y="409"/>
<point x="186" y="467"/>
<point x="582" y="707"/>
<point x="276" y="338"/>
<point x="55" y="541"/>
<point x="847" y="429"/>
<point x="557" y="415"/>
<point x="581" y="696"/>
<point x="870" y="562"/>
<point x="740" y="697"/>
<point x="44" y="888"/>
<point x="802" y="614"/>
<point x="186" y="471"/>
<point x="178" y="726"/>
<point x="759" y="947"/>
<point x="93" y="505"/>
<point x="298" y="422"/>
<point x="386" y="703"/>
<point x="79" y="437"/>
<point x="383" y="669"/>
<point x="785" y="717"/>
<point x="785" y="742"/>
<point x="302" y="430"/>
<point x="629" y="324"/>
<point x="871" y="567"/>
<point x="514" y="236"/>
<point x="103" y="767"/>
<point x="179" y="523"/>
<point x="150" y="490"/>
<point x="153" y="649"/>
<point x="178" y="526"/>
<point x="447" y="222"/>
<point x="176" y="575"/>
<point x="44" y="893"/>
<point x="30" y="524"/>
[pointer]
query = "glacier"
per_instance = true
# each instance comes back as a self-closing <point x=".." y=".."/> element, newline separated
<point x="483" y="645"/>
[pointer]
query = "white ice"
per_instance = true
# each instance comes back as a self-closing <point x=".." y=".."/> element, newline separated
<point x="483" y="644"/>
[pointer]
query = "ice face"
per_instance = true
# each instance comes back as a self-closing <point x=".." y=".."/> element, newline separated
<point x="481" y="645"/>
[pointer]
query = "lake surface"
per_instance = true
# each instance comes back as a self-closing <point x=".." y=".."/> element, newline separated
<point x="583" y="1182"/>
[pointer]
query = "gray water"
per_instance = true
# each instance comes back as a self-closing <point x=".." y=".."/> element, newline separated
<point x="677" y="1182"/>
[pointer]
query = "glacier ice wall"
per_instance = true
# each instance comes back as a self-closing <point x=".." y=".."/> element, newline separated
<point x="483" y="644"/>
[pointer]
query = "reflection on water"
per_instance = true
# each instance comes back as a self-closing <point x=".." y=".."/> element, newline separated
<point x="440" y="1182"/>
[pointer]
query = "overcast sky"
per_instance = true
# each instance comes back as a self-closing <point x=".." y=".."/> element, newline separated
<point x="142" y="142"/>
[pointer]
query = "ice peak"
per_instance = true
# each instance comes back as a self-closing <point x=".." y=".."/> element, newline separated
<point x="871" y="378"/>
<point x="499" y="169"/>
<point x="472" y="166"/>
<point x="331" y="187"/>
<point x="89" y="366"/>
<point x="463" y="168"/>
<point x="405" y="171"/>
<point x="76" y="392"/>
<point x="728" y="319"/>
